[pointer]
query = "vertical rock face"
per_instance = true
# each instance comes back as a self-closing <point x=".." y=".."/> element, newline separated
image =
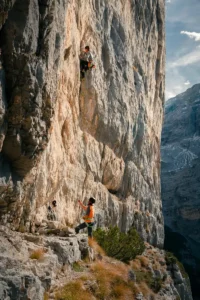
<point x="180" y="179"/>
<point x="67" y="140"/>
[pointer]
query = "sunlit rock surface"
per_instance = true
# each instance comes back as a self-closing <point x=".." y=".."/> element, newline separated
<point x="36" y="266"/>
<point x="66" y="140"/>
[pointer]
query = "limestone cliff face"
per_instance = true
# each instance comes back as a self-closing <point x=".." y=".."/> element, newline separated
<point x="180" y="179"/>
<point x="66" y="140"/>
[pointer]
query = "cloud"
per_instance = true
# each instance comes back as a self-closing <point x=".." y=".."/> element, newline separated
<point x="183" y="45"/>
<point x="185" y="60"/>
<point x="187" y="82"/>
<point x="169" y="95"/>
<point x="174" y="89"/>
<point x="192" y="35"/>
<point x="174" y="83"/>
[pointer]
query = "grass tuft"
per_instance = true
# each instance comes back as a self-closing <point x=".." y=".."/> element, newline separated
<point x="136" y="264"/>
<point x="46" y="296"/>
<point x="77" y="267"/>
<point x="154" y="283"/>
<point x="94" y="245"/>
<point x="73" y="291"/>
<point x="112" y="281"/>
<point x="37" y="254"/>
<point x="144" y="261"/>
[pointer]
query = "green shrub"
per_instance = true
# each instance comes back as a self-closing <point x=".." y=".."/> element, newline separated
<point x="77" y="267"/>
<point x="182" y="269"/>
<point x="171" y="259"/>
<point x="154" y="283"/>
<point x="122" y="246"/>
<point x="143" y="276"/>
<point x="164" y="277"/>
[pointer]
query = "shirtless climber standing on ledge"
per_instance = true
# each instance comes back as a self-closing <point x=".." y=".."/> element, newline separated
<point x="88" y="218"/>
<point x="86" y="61"/>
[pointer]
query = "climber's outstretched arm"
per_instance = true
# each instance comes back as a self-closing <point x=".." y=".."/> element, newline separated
<point x="82" y="205"/>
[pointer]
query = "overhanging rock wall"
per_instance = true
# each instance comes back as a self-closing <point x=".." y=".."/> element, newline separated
<point x="65" y="141"/>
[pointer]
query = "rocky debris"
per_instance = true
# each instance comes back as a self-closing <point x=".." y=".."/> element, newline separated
<point x="135" y="281"/>
<point x="66" y="250"/>
<point x="32" y="265"/>
<point x="47" y="227"/>
<point x="139" y="296"/>
<point x="174" y="281"/>
<point x="23" y="277"/>
<point x="180" y="180"/>
<point x="71" y="139"/>
<point x="132" y="275"/>
<point x="182" y="284"/>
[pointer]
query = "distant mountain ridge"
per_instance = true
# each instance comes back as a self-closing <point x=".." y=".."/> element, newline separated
<point x="180" y="152"/>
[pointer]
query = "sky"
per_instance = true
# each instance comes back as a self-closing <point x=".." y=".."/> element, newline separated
<point x="183" y="45"/>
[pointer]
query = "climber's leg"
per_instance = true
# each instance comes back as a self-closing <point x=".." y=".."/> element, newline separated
<point x="90" y="226"/>
<point x="81" y="226"/>
<point x="83" y="67"/>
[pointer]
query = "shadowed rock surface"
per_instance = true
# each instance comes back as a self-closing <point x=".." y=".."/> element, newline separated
<point x="64" y="140"/>
<point x="180" y="180"/>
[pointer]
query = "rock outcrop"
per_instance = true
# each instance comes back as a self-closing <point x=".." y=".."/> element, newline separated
<point x="180" y="179"/>
<point x="37" y="267"/>
<point x="64" y="140"/>
<point x="30" y="265"/>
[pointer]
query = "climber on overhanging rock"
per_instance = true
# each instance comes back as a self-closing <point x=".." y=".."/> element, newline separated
<point x="88" y="218"/>
<point x="86" y="61"/>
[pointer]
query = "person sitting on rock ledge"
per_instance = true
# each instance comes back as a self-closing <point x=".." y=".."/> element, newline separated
<point x="86" y="61"/>
<point x="88" y="218"/>
<point x="51" y="214"/>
